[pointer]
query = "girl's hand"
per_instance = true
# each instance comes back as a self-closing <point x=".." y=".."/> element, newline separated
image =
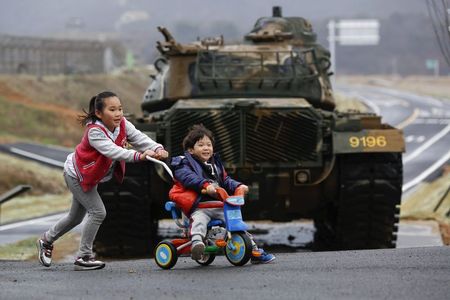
<point x="146" y="153"/>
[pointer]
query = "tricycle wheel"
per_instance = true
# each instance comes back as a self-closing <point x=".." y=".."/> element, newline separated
<point x="242" y="249"/>
<point x="206" y="259"/>
<point x="166" y="255"/>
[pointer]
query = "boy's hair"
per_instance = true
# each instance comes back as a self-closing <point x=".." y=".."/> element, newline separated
<point x="96" y="103"/>
<point x="196" y="133"/>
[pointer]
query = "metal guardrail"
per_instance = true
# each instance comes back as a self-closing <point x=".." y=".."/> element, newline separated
<point x="5" y="197"/>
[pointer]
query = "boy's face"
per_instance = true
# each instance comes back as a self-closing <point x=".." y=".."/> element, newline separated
<point x="203" y="149"/>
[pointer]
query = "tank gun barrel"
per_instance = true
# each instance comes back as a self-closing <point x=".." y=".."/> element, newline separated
<point x="170" y="47"/>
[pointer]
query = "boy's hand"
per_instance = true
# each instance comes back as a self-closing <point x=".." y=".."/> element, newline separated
<point x="241" y="190"/>
<point x="161" y="154"/>
<point x="211" y="190"/>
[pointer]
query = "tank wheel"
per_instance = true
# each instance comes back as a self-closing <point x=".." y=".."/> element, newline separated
<point x="365" y="213"/>
<point x="131" y="223"/>
<point x="242" y="249"/>
<point x="206" y="259"/>
<point x="166" y="255"/>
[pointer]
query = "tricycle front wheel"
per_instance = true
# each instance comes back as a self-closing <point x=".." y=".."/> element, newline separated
<point x="238" y="249"/>
<point x="166" y="255"/>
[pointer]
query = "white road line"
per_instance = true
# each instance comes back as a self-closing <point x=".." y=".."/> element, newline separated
<point x="427" y="172"/>
<point x="409" y="119"/>
<point x="371" y="104"/>
<point x="41" y="158"/>
<point x="29" y="222"/>
<point x="428" y="144"/>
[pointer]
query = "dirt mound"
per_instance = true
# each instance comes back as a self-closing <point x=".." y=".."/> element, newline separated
<point x="45" y="109"/>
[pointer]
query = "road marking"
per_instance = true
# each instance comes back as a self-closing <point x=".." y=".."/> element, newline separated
<point x="427" y="172"/>
<point x="371" y="104"/>
<point x="29" y="222"/>
<point x="428" y="144"/>
<point x="415" y="139"/>
<point x="409" y="119"/>
<point x="41" y="158"/>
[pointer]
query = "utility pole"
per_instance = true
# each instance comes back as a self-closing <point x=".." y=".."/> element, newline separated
<point x="332" y="47"/>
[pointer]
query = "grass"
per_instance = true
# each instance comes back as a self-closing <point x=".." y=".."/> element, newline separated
<point x="23" y="208"/>
<point x="45" y="109"/>
<point x="437" y="87"/>
<point x="48" y="194"/>
<point x="26" y="249"/>
<point x="345" y="104"/>
<point x="37" y="124"/>
<point x="430" y="202"/>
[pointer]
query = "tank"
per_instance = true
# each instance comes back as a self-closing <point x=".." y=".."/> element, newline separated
<point x="269" y="102"/>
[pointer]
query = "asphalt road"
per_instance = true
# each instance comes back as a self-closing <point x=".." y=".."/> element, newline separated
<point x="425" y="122"/>
<point x="413" y="273"/>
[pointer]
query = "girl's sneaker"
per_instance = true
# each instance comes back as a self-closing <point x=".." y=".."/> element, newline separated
<point x="44" y="252"/>
<point x="86" y="263"/>
<point x="262" y="257"/>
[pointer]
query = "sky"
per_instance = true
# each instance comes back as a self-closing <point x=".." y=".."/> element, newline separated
<point x="46" y="17"/>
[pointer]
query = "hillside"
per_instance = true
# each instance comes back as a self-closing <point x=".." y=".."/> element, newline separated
<point x="45" y="109"/>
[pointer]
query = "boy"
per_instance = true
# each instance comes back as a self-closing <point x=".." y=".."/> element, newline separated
<point x="201" y="169"/>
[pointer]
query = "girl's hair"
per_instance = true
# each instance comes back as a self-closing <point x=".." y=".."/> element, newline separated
<point x="96" y="103"/>
<point x="196" y="133"/>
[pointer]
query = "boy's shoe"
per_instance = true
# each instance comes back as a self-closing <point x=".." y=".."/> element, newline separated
<point x="44" y="252"/>
<point x="197" y="250"/>
<point x="262" y="258"/>
<point x="88" y="263"/>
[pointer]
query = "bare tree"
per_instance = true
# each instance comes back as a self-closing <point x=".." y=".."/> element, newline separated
<point x="439" y="13"/>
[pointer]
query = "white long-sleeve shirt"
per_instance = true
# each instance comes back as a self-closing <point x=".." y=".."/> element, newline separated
<point x="105" y="145"/>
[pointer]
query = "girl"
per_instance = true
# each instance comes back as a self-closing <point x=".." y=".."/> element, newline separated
<point x="100" y="156"/>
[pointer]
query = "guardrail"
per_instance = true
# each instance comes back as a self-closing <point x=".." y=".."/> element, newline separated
<point x="5" y="197"/>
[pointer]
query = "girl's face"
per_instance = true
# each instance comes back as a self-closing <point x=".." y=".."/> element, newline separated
<point x="112" y="113"/>
<point x="203" y="149"/>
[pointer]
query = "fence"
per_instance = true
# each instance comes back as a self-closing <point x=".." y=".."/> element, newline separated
<point x="46" y="56"/>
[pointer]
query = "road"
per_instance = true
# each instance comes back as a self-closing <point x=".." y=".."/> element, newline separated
<point x="425" y="122"/>
<point x="412" y="273"/>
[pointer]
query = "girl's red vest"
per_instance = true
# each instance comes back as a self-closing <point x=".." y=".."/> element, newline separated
<point x="90" y="165"/>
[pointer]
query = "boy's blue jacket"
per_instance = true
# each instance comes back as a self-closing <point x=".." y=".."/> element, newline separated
<point x="189" y="173"/>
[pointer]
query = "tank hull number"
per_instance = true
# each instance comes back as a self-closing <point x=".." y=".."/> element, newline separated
<point x="374" y="140"/>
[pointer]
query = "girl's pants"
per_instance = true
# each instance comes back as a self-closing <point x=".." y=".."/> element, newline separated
<point x="82" y="202"/>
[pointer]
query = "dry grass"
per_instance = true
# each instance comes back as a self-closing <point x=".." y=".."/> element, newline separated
<point x="23" y="208"/>
<point x="430" y="202"/>
<point x="345" y="104"/>
<point x="438" y="87"/>
<point x="44" y="180"/>
<point x="48" y="194"/>
<point x="45" y="109"/>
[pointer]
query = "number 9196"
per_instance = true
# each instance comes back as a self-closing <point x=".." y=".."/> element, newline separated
<point x="367" y="141"/>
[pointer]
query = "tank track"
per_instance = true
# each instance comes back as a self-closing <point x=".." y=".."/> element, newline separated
<point x="364" y="214"/>
<point x="130" y="228"/>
